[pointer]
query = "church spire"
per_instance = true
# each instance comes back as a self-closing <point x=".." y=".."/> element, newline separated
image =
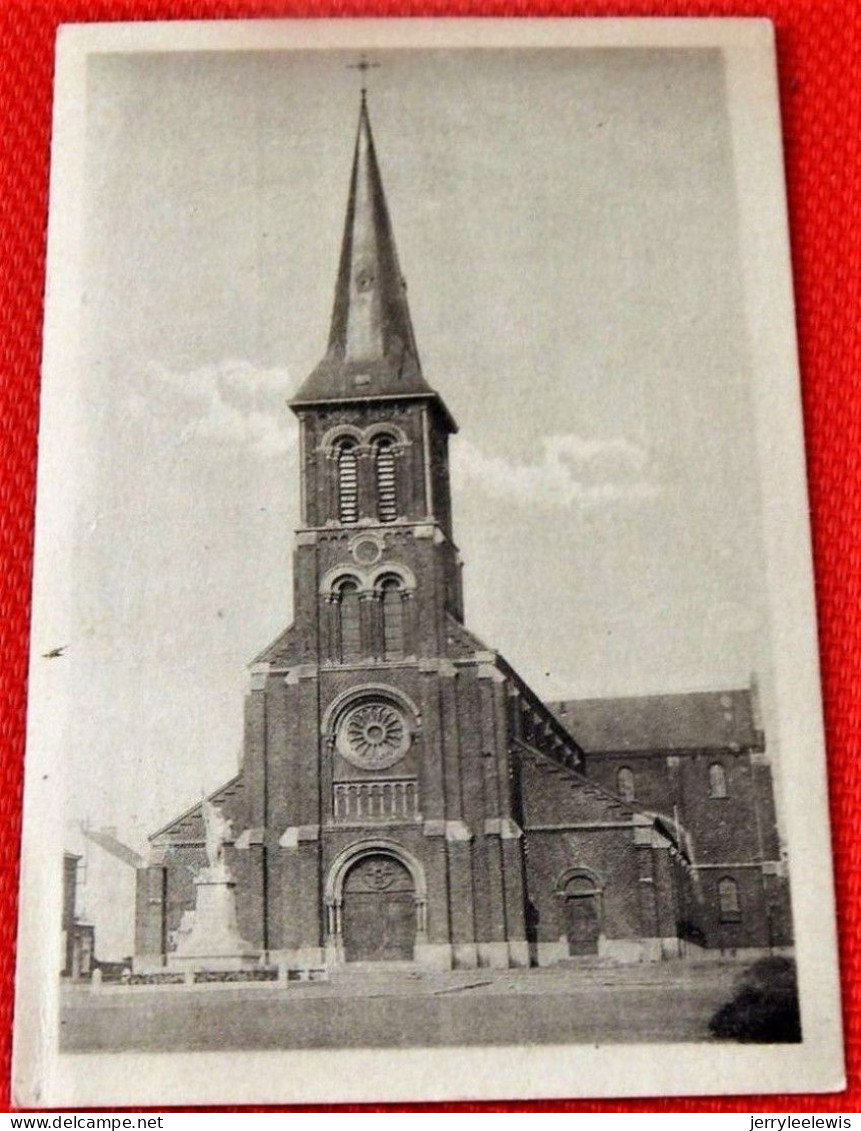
<point x="372" y="350"/>
<point x="370" y="319"/>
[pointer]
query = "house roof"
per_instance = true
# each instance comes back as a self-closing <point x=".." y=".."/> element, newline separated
<point x="688" y="721"/>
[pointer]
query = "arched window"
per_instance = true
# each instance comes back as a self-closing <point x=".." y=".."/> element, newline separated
<point x="348" y="618"/>
<point x="392" y="603"/>
<point x="348" y="482"/>
<point x="730" y="908"/>
<point x="387" y="495"/>
<point x="717" y="780"/>
<point x="625" y="784"/>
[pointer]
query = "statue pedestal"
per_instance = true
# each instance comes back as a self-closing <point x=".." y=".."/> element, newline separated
<point x="212" y="940"/>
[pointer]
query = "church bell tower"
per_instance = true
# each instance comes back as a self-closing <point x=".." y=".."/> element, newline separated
<point x="376" y="538"/>
<point x="365" y="752"/>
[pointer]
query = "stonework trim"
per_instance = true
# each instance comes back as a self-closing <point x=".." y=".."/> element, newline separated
<point x="366" y="538"/>
<point x="584" y="826"/>
<point x="249" y="837"/>
<point x="371" y="846"/>
<point x="301" y="671"/>
<point x="503" y="827"/>
<point x="367" y="579"/>
<point x="770" y="867"/>
<point x="259" y="676"/>
<point x="343" y="572"/>
<point x="385" y="429"/>
<point x="440" y="666"/>
<point x="293" y="835"/>
<point x="578" y="871"/>
<point x="364" y="437"/>
<point x="393" y="569"/>
<point x="336" y="433"/>
<point x="451" y="830"/>
<point x="492" y="672"/>
<point x="384" y="690"/>
<point x="660" y="840"/>
<point x="774" y="868"/>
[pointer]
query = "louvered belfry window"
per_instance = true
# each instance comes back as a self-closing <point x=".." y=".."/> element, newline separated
<point x="387" y="499"/>
<point x="348" y="483"/>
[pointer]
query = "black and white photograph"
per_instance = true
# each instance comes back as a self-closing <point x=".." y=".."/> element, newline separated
<point x="424" y="695"/>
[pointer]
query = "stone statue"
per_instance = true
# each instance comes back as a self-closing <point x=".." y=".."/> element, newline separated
<point x="217" y="829"/>
<point x="208" y="937"/>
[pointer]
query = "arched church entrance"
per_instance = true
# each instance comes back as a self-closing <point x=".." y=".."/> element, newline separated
<point x="379" y="910"/>
<point x="580" y="898"/>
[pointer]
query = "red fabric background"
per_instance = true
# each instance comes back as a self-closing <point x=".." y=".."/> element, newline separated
<point x="820" y="69"/>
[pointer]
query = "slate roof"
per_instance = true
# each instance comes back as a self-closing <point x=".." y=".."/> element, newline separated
<point x="372" y="351"/>
<point x="189" y="825"/>
<point x="460" y="642"/>
<point x="703" y="720"/>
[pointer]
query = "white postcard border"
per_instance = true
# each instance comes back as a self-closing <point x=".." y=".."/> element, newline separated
<point x="42" y="1076"/>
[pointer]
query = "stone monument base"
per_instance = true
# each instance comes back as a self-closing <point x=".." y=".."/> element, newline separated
<point x="209" y="938"/>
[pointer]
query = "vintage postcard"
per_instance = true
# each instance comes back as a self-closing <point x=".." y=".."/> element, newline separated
<point x="424" y="695"/>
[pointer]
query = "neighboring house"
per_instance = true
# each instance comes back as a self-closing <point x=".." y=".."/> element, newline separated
<point x="78" y="938"/>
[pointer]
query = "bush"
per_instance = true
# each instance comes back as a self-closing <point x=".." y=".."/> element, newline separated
<point x="765" y="1006"/>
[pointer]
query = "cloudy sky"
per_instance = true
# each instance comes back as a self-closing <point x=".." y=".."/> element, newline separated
<point x="566" y="221"/>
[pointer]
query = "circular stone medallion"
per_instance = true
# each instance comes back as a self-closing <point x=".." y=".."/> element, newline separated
<point x="366" y="551"/>
<point x="373" y="735"/>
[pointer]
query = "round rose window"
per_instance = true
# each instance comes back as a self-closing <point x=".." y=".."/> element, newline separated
<point x="373" y="735"/>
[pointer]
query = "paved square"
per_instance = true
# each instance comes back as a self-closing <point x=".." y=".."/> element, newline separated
<point x="662" y="1003"/>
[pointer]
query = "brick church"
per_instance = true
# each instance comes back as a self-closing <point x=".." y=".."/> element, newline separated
<point x="404" y="795"/>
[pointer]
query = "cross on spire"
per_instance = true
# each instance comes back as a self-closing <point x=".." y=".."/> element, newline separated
<point x="363" y="66"/>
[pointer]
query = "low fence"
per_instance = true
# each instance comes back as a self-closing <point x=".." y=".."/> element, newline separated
<point x="257" y="976"/>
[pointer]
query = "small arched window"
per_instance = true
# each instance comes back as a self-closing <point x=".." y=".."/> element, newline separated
<point x="625" y="784"/>
<point x="348" y="482"/>
<point x="717" y="780"/>
<point x="387" y="495"/>
<point x="730" y="908"/>
<point x="348" y="619"/>
<point x="391" y="599"/>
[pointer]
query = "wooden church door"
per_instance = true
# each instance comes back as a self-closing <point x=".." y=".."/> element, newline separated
<point x="582" y="914"/>
<point x="379" y="911"/>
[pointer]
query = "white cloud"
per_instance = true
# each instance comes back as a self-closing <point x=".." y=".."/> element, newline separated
<point x="239" y="405"/>
<point x="572" y="470"/>
<point x="233" y="403"/>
